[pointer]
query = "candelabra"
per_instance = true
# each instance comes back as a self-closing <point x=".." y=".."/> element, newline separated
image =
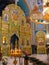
<point x="15" y="53"/>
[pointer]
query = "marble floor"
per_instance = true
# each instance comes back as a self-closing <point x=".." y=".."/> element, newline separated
<point x="41" y="57"/>
<point x="10" y="61"/>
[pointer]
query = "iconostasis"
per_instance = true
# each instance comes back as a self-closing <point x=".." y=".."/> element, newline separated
<point x="39" y="16"/>
<point x="40" y="33"/>
<point x="14" y="22"/>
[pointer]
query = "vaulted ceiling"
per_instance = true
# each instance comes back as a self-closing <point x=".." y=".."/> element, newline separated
<point x="26" y="5"/>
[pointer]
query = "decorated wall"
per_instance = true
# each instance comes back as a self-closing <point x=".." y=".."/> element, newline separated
<point x="13" y="21"/>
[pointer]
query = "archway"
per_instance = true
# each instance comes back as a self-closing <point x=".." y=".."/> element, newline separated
<point x="41" y="42"/>
<point x="13" y="40"/>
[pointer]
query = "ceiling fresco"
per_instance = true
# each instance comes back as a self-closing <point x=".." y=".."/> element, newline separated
<point x="26" y="5"/>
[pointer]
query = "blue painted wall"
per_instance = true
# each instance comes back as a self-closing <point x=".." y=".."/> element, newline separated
<point x="22" y="4"/>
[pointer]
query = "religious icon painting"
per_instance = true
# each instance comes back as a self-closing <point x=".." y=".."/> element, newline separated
<point x="40" y="4"/>
<point x="14" y="11"/>
<point x="14" y="15"/>
<point x="7" y="9"/>
<point x="6" y="18"/>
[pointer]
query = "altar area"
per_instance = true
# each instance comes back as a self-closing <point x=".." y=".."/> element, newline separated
<point x="24" y="40"/>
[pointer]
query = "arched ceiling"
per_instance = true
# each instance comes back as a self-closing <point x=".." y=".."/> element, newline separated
<point x="34" y="3"/>
<point x="26" y="5"/>
<point x="23" y="5"/>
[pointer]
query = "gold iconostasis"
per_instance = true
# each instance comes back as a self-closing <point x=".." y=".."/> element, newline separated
<point x="13" y="21"/>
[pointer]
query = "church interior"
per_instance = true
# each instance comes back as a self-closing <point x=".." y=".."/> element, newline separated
<point x="24" y="32"/>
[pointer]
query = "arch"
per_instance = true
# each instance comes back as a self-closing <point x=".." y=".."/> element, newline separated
<point x="23" y="4"/>
<point x="13" y="40"/>
<point x="14" y="22"/>
<point x="40" y="37"/>
<point x="41" y="45"/>
<point x="12" y="17"/>
<point x="40" y="34"/>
